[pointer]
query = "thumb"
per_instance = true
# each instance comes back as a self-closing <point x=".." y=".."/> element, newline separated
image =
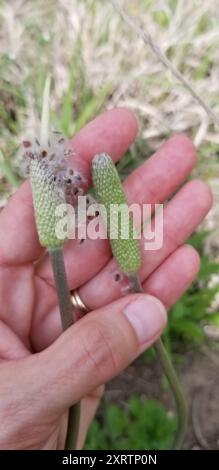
<point x="98" y="347"/>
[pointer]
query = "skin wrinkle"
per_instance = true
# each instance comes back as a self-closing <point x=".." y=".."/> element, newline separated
<point x="11" y="347"/>
<point x="81" y="331"/>
<point x="107" y="360"/>
<point x="26" y="434"/>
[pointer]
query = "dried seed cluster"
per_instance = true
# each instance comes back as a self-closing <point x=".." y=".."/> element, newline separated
<point x="53" y="183"/>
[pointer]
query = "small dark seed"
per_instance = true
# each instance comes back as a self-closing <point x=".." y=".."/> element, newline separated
<point x="29" y="154"/>
<point x="26" y="144"/>
<point x="37" y="142"/>
<point x="82" y="240"/>
<point x="44" y="153"/>
<point x="71" y="172"/>
<point x="61" y="141"/>
<point x="117" y="277"/>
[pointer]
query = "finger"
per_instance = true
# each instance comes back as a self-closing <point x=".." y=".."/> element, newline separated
<point x="164" y="173"/>
<point x="113" y="132"/>
<point x="182" y="215"/>
<point x="173" y="276"/>
<point x="96" y="349"/>
<point x="152" y="182"/>
<point x="168" y="282"/>
<point x="11" y="347"/>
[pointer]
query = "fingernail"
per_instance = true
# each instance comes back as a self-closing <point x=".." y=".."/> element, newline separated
<point x="147" y="316"/>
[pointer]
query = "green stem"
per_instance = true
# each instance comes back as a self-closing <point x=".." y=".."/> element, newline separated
<point x="73" y="426"/>
<point x="181" y="403"/>
<point x="68" y="317"/>
<point x="63" y="294"/>
<point x="44" y="127"/>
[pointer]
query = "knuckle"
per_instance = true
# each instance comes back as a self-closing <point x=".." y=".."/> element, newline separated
<point x="99" y="351"/>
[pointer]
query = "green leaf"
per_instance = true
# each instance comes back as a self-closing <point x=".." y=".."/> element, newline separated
<point x="92" y="106"/>
<point x="7" y="171"/>
<point x="144" y="424"/>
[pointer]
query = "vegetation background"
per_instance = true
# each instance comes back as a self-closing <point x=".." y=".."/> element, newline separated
<point x="97" y="62"/>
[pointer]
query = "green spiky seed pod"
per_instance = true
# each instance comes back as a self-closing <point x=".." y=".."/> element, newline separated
<point x="47" y="194"/>
<point x="111" y="194"/>
<point x="52" y="181"/>
<point x="46" y="198"/>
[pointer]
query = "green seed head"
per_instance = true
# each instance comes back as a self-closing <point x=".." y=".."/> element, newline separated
<point x="46" y="195"/>
<point x="52" y="182"/>
<point x="110" y="193"/>
<point x="46" y="198"/>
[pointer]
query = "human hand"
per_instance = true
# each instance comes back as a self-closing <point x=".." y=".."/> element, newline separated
<point x="43" y="373"/>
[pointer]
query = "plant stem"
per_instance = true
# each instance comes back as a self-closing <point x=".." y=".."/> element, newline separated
<point x="68" y="317"/>
<point x="162" y="57"/>
<point x="44" y="128"/>
<point x="73" y="427"/>
<point x="180" y="400"/>
<point x="63" y="294"/>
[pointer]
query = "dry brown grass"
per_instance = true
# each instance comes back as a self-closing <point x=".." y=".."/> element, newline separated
<point x="37" y="36"/>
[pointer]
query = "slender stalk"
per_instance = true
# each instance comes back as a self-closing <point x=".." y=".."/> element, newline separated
<point x="68" y="317"/>
<point x="180" y="400"/>
<point x="181" y="403"/>
<point x="73" y="426"/>
<point x="63" y="294"/>
<point x="44" y="127"/>
<point x="148" y="40"/>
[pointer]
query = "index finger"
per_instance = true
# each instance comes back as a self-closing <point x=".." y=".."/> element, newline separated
<point x="112" y="132"/>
